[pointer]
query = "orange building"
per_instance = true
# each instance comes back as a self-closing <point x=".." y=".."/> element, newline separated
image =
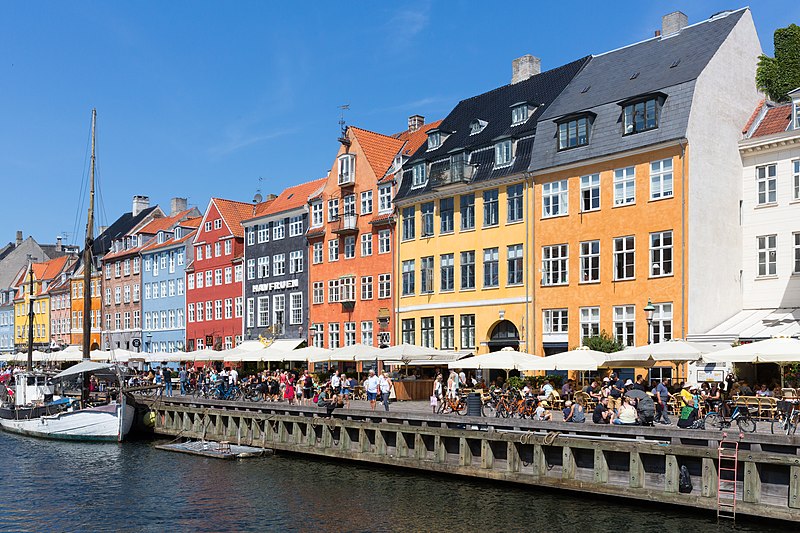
<point x="76" y="302"/>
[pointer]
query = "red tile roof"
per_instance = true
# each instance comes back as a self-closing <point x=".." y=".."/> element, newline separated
<point x="192" y="222"/>
<point x="415" y="139"/>
<point x="754" y="116"/>
<point x="776" y="120"/>
<point x="295" y="197"/>
<point x="379" y="149"/>
<point x="163" y="223"/>
<point x="154" y="245"/>
<point x="234" y="213"/>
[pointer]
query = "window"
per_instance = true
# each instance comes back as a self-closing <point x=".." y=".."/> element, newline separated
<point x="136" y="266"/>
<point x="217" y="252"/>
<point x="426" y="275"/>
<point x="209" y="278"/>
<point x="590" y="261"/>
<point x="251" y="236"/>
<point x="447" y="269"/>
<point x="514" y="198"/>
<point x="217" y="309"/>
<point x="316" y="255"/>
<point x="347" y="289"/>
<point x="661" y="179"/>
<point x="467" y="331"/>
<point x="237" y="273"/>
<point x="318" y="335"/>
<point x="237" y="307"/>
<point x="554" y="199"/>
<point x="796" y="269"/>
<point x="296" y="308"/>
<point x="250" y="313"/>
<point x="519" y="114"/>
<point x="767" y="255"/>
<point x="347" y="169"/>
<point x="446" y="206"/>
<point x="625" y="186"/>
<point x="350" y="247"/>
<point x="408" y="277"/>
<point x="385" y="286"/>
<point x="385" y="199"/>
<point x="333" y="290"/>
<point x="490" y="216"/>
<point x="366" y="244"/>
<point x="295" y="262"/>
<point x="333" y="335"/>
<point x="502" y="153"/>
<point x="278" y="312"/>
<point x="333" y="250"/>
<point x="147" y="262"/>
<point x="349" y="333"/>
<point x="624" y="258"/>
<point x="468" y="270"/>
<point x="108" y="294"/>
<point x="434" y="140"/>
<point x="408" y="223"/>
<point x="218" y="223"/>
<point x="554" y="264"/>
<point x="491" y="266"/>
<point x="126" y="267"/>
<point x="228" y="275"/>
<point x="319" y="292"/>
<point x="333" y="209"/>
<point x="366" y="333"/>
<point x="767" y="182"/>
<point x="218" y="276"/>
<point x="316" y="214"/>
<point x="366" y="202"/>
<point x="446" y="332"/>
<point x="251" y="270"/>
<point x="573" y="133"/>
<point x="278" y="230"/>
<point x="263" y="267"/>
<point x="279" y="264"/>
<point x="590" y="322"/>
<point x="209" y="305"/>
<point x="590" y="192"/>
<point x="640" y="116"/>
<point x="349" y="204"/>
<point x="366" y="287"/>
<point x="117" y="269"/>
<point x="515" y="259"/>
<point x="796" y="175"/>
<point x="556" y="321"/>
<point x="295" y="226"/>
<point x="263" y="311"/>
<point x="426" y="210"/>
<point x="418" y="178"/>
<point x="263" y="233"/>
<point x="384" y="241"/>
<point x="200" y="312"/>
<point x="228" y="308"/>
<point x="624" y="324"/>
<point x="407" y="330"/>
<point x="661" y="253"/>
<point x="189" y="316"/>
<point x="426" y="331"/>
<point x="117" y="295"/>
<point x="661" y="326"/>
<point x="466" y="205"/>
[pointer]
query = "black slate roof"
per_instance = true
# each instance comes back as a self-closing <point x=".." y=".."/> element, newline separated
<point x="120" y="227"/>
<point x="493" y="107"/>
<point x="667" y="64"/>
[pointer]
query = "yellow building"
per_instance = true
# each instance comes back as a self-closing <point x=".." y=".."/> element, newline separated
<point x="43" y="274"/>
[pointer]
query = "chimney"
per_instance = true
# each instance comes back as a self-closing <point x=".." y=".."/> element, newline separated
<point x="19" y="237"/>
<point x="176" y="205"/>
<point x="270" y="197"/>
<point x="525" y="67"/>
<point x="58" y="243"/>
<point x="673" y="23"/>
<point x="140" y="203"/>
<point x="415" y="122"/>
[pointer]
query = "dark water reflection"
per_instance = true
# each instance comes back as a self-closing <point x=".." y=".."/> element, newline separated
<point x="52" y="486"/>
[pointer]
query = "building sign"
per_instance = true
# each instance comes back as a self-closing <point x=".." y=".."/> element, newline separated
<point x="277" y="285"/>
<point x="710" y="376"/>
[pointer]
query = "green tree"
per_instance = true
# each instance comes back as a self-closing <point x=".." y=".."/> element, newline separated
<point x="778" y="75"/>
<point x="603" y="343"/>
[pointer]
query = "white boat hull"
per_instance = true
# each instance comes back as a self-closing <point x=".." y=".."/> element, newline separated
<point x="107" y="423"/>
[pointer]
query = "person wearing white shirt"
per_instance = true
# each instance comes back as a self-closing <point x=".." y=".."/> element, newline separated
<point x="371" y="386"/>
<point x="335" y="382"/>
<point x="385" y="386"/>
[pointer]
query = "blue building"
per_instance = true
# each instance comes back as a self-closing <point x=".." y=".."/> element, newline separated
<point x="163" y="292"/>
<point x="7" y="321"/>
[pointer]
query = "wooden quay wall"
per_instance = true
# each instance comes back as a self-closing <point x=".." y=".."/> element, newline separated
<point x="631" y="462"/>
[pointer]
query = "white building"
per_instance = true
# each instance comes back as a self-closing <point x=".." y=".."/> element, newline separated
<point x="770" y="219"/>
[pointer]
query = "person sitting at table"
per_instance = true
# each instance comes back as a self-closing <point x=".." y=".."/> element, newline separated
<point x="763" y="391"/>
<point x="626" y="413"/>
<point x="547" y="390"/>
<point x="567" y="388"/>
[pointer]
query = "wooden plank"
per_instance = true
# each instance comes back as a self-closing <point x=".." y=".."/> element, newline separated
<point x="487" y="455"/>
<point x="568" y="463"/>
<point x="401" y="446"/>
<point x="600" y="466"/>
<point x="794" y="487"/>
<point x="420" y="451"/>
<point x="464" y="452"/>
<point x="636" y="471"/>
<point x="671" y="474"/>
<point x="512" y="457"/>
<point x="752" y="483"/>
<point x="539" y="462"/>
<point x="439" y="451"/>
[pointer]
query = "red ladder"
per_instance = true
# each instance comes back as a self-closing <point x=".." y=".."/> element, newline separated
<point x="727" y="476"/>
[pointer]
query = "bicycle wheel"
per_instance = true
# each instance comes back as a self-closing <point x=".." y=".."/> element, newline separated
<point x="791" y="424"/>
<point x="461" y="407"/>
<point x="778" y="424"/>
<point x="746" y="424"/>
<point x="713" y="420"/>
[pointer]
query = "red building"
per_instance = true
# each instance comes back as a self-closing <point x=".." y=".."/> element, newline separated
<point x="351" y="238"/>
<point x="214" y="303"/>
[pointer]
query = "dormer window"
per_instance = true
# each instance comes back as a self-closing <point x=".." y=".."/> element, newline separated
<point x="160" y="237"/>
<point x="476" y="126"/>
<point x="641" y="115"/>
<point x="347" y="169"/>
<point x="519" y="114"/>
<point x="178" y="232"/>
<point x="573" y="132"/>
<point x="434" y="140"/>
<point x="796" y="114"/>
<point x="418" y="178"/>
<point x="502" y="153"/>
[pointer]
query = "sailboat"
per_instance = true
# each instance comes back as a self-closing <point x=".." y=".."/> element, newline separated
<point x="33" y="409"/>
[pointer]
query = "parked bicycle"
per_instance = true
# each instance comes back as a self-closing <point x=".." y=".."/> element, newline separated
<point x="741" y="414"/>
<point x="786" y="419"/>
<point x="453" y="405"/>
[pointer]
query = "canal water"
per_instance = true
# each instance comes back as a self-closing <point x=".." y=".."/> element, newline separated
<point x="55" y="486"/>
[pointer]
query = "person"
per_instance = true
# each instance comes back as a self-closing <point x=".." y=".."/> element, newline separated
<point x="764" y="392"/>
<point x="344" y="386"/>
<point x="687" y="398"/>
<point x="576" y="413"/>
<point x="745" y="389"/>
<point x="462" y="380"/>
<point x="452" y="385"/>
<point x="436" y="394"/>
<point x="616" y="391"/>
<point x="602" y="414"/>
<point x="541" y="412"/>
<point x="640" y="383"/>
<point x="626" y="414"/>
<point x="289" y="391"/>
<point x="547" y="390"/>
<point x="167" y="381"/>
<point x="567" y="388"/>
<point x="308" y="387"/>
<point x="593" y="391"/>
<point x="329" y="400"/>
<point x="385" y="386"/>
<point x="714" y="397"/>
<point x="661" y="396"/>
<point x="336" y="382"/>
<point x="371" y="386"/>
<point x="233" y="376"/>
<point x="183" y="376"/>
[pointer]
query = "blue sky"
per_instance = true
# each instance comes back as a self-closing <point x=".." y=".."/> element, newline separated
<point x="202" y="99"/>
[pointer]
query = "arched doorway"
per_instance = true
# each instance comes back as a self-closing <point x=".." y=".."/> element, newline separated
<point x="504" y="334"/>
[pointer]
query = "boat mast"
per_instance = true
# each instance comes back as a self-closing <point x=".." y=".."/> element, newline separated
<point x="30" y="316"/>
<point x="87" y="258"/>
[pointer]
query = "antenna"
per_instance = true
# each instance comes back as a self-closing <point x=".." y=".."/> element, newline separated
<point x="344" y="139"/>
<point x="258" y="197"/>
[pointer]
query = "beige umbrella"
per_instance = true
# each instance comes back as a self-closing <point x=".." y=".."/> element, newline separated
<point x="581" y="358"/>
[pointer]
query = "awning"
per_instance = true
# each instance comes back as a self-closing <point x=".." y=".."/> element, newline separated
<point x="86" y="366"/>
<point x="754" y="324"/>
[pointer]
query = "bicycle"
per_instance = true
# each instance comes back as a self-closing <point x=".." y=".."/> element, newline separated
<point x="499" y="404"/>
<point x="786" y="419"/>
<point x="741" y="414"/>
<point x="454" y="405"/>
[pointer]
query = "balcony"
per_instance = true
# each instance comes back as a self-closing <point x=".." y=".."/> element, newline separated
<point x="345" y="224"/>
<point x="452" y="172"/>
<point x="347" y="179"/>
<point x="347" y="292"/>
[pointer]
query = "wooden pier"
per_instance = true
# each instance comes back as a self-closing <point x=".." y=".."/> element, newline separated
<point x="631" y="462"/>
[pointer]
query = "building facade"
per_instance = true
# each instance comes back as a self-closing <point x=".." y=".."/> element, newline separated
<point x="60" y="308"/>
<point x="276" y="267"/>
<point x="76" y="302"/>
<point x="464" y="227"/>
<point x="6" y="320"/>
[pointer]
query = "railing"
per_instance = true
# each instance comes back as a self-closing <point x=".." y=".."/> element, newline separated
<point x="453" y="173"/>
<point x="346" y="223"/>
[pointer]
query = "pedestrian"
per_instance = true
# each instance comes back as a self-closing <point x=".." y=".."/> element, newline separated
<point x="385" y="385"/>
<point x="661" y="395"/>
<point x="308" y="387"/>
<point x="436" y="394"/>
<point x="183" y="376"/>
<point x="371" y="386"/>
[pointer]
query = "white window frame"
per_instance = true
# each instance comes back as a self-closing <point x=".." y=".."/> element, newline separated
<point x="333" y="250"/>
<point x="279" y="264"/>
<point x="625" y="324"/>
<point x="296" y="226"/>
<point x="555" y="199"/>
<point x="503" y="153"/>
<point x="796" y="265"/>
<point x="589" y="322"/>
<point x="796" y="176"/>
<point x="624" y="186"/>
<point x="366" y="244"/>
<point x="555" y="265"/>
<point x="295" y="308"/>
<point x="555" y="321"/>
<point x="590" y="193"/>
<point x="346" y="169"/>
<point x="367" y="337"/>
<point x="661" y="179"/>
<point x="366" y="287"/>
<point x="659" y="265"/>
<point x="318" y="292"/>
<point x="384" y="286"/>
<point x="317" y="252"/>
<point x="661" y="325"/>
<point x="317" y="214"/>
<point x="385" y="199"/>
<point x="278" y="230"/>
<point x="366" y="202"/>
<point x="767" y="247"/>
<point x="590" y="261"/>
<point x="418" y="176"/>
<point x="767" y="184"/>
<point x="624" y="257"/>
<point x="384" y="241"/>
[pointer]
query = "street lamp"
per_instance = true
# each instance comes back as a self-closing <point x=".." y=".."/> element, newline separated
<point x="649" y="309"/>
